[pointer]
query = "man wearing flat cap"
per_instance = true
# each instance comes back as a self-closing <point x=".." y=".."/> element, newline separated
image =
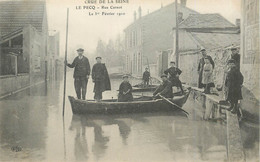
<point x="146" y="77"/>
<point x="235" y="56"/>
<point x="165" y="89"/>
<point x="233" y="84"/>
<point x="201" y="66"/>
<point x="81" y="73"/>
<point x="174" y="74"/>
<point x="100" y="78"/>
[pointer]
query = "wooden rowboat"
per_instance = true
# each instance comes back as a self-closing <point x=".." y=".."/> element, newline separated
<point x="139" y="105"/>
<point x="141" y="88"/>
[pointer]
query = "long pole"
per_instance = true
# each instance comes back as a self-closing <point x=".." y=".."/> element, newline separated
<point x="65" y="65"/>
<point x="177" y="34"/>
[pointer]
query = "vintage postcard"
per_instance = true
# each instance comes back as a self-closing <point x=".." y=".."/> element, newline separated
<point x="129" y="80"/>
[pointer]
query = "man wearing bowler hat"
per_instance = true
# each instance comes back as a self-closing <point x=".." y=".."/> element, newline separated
<point x="201" y="66"/>
<point x="101" y="79"/>
<point x="81" y="73"/>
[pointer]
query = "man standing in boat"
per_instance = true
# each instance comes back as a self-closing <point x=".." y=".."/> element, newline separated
<point x="174" y="74"/>
<point x="165" y="89"/>
<point x="146" y="77"/>
<point x="81" y="73"/>
<point x="100" y="78"/>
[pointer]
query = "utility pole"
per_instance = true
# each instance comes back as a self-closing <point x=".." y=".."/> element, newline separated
<point x="177" y="34"/>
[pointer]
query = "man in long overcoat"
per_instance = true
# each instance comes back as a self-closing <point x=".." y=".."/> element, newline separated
<point x="81" y="73"/>
<point x="233" y="84"/>
<point x="101" y="79"/>
<point x="201" y="65"/>
<point x="235" y="56"/>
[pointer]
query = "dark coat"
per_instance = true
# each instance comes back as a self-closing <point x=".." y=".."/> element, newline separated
<point x="236" y="57"/>
<point x="174" y="75"/>
<point x="200" y="69"/>
<point x="146" y="75"/>
<point x="81" y="67"/>
<point x="233" y="83"/>
<point x="100" y="74"/>
<point x="165" y="89"/>
<point x="124" y="87"/>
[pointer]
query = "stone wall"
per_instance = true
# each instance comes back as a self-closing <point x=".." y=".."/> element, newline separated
<point x="250" y="56"/>
<point x="13" y="83"/>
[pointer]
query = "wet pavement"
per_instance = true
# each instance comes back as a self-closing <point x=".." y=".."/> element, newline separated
<point x="32" y="128"/>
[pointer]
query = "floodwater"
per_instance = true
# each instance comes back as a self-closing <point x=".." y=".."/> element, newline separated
<point x="32" y="128"/>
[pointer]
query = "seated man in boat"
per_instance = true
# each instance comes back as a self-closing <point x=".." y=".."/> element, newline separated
<point x="174" y="73"/>
<point x="100" y="78"/>
<point x="165" y="89"/>
<point x="146" y="77"/>
<point x="125" y="91"/>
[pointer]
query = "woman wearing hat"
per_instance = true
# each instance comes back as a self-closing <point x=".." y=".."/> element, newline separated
<point x="125" y="91"/>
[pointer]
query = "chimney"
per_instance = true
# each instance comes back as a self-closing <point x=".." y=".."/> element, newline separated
<point x="180" y="17"/>
<point x="161" y="5"/>
<point x="238" y="23"/>
<point x="140" y="12"/>
<point x="134" y="15"/>
<point x="183" y="3"/>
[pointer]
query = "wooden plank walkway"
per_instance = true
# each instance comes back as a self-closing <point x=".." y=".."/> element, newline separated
<point x="213" y="109"/>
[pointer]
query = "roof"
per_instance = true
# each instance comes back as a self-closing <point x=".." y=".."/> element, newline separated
<point x="216" y="40"/>
<point x="205" y="21"/>
<point x="17" y="14"/>
<point x="169" y="6"/>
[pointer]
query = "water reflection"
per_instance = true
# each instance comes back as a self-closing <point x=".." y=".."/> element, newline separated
<point x="33" y="120"/>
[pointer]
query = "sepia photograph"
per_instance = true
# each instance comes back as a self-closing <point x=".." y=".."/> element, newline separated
<point x="129" y="80"/>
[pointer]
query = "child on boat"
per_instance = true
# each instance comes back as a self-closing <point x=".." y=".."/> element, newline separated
<point x="125" y="91"/>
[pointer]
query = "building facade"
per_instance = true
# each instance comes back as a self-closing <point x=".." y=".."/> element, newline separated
<point x="56" y="66"/>
<point x="250" y="58"/>
<point x="150" y="34"/>
<point x="205" y="31"/>
<point x="24" y="37"/>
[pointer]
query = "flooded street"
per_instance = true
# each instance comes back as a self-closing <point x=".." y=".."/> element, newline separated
<point x="32" y="128"/>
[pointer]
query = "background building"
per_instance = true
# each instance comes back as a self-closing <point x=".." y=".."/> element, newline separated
<point x="150" y="34"/>
<point x="250" y="57"/>
<point x="205" y="31"/>
<point x="56" y="64"/>
<point x="24" y="39"/>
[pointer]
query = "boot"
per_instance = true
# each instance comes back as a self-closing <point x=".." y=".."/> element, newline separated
<point x="234" y="110"/>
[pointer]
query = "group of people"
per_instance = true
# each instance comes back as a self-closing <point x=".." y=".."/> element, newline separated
<point x="82" y="72"/>
<point x="232" y="82"/>
<point x="101" y="79"/>
<point x="233" y="77"/>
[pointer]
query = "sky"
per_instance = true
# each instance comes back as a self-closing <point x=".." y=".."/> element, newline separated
<point x="84" y="30"/>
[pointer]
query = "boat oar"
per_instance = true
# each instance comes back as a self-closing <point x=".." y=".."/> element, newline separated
<point x="167" y="100"/>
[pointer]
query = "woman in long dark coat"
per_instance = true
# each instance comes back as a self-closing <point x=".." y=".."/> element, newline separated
<point x="101" y="79"/>
<point x="233" y="84"/>
<point x="125" y="91"/>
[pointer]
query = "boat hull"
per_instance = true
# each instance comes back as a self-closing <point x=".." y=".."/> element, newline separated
<point x="140" y="105"/>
